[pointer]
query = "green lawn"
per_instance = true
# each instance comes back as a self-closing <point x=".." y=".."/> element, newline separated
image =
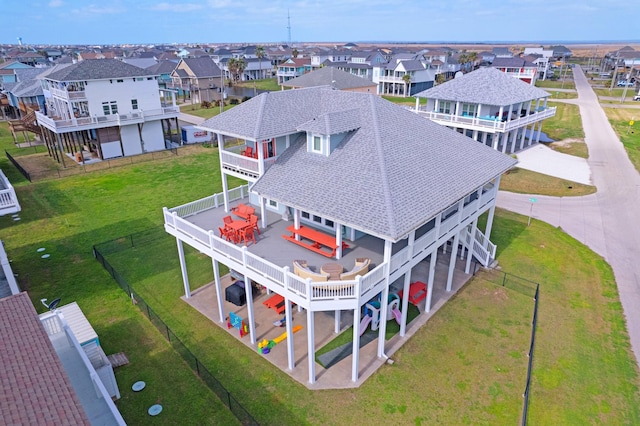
<point x="566" y="124"/>
<point x="206" y="113"/>
<point x="616" y="92"/>
<point x="556" y="84"/>
<point x="464" y="367"/>
<point x="527" y="182"/>
<point x="270" y="84"/>
<point x="629" y="135"/>
<point x="562" y="95"/>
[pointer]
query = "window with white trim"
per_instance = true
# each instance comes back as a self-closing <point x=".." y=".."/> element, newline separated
<point x="134" y="104"/>
<point x="444" y="107"/>
<point x="110" y="108"/>
<point x="316" y="145"/>
<point x="469" y="109"/>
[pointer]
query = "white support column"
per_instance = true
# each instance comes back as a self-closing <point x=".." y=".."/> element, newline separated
<point x="522" y="137"/>
<point x="405" y="302"/>
<point x="484" y="138"/>
<point x="355" y="358"/>
<point x="263" y="212"/>
<point x="249" y="296"/>
<point x="296" y="222"/>
<point x="384" y="300"/>
<point x="417" y="104"/>
<point x="339" y="240"/>
<point x="513" y="140"/>
<point x="474" y="226"/>
<point x="509" y="113"/>
<point x="216" y="278"/>
<point x="496" y="140"/>
<point x="539" y="131"/>
<point x="183" y="268"/>
<point x="432" y="272"/>
<point x="475" y="135"/>
<point x="452" y="260"/>
<point x="336" y="327"/>
<point x="289" y="326"/>
<point x="311" y="346"/>
<point x="505" y="141"/>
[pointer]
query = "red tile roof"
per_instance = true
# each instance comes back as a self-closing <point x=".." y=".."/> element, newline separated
<point x="34" y="388"/>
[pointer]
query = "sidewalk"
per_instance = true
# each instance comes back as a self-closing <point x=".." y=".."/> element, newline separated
<point x="542" y="159"/>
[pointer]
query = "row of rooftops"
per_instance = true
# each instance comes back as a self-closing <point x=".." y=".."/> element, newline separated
<point x="41" y="54"/>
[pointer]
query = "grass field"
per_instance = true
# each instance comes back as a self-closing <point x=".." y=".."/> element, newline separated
<point x="527" y="182"/>
<point x="629" y="135"/>
<point x="556" y="84"/>
<point x="566" y="124"/>
<point x="464" y="367"/>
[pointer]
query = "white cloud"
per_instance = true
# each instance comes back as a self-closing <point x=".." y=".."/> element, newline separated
<point x="177" y="8"/>
<point x="55" y="3"/>
<point x="94" y="10"/>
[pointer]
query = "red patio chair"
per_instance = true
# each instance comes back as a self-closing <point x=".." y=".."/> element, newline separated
<point x="253" y="219"/>
<point x="227" y="234"/>
<point x="227" y="219"/>
<point x="248" y="152"/>
<point x="247" y="234"/>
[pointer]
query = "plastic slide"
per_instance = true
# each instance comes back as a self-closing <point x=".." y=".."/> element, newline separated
<point x="397" y="315"/>
<point x="365" y="323"/>
<point x="283" y="336"/>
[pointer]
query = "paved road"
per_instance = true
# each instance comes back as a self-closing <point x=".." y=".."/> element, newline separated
<point x="607" y="221"/>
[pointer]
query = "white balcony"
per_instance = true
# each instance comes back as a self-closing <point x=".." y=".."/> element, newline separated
<point x="58" y="124"/>
<point x="486" y="124"/>
<point x="8" y="198"/>
<point x="269" y="261"/>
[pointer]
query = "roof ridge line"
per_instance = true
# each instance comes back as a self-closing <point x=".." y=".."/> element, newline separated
<point x="383" y="170"/>
<point x="263" y="101"/>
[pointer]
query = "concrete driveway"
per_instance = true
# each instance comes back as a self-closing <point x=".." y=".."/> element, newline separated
<point x="607" y="221"/>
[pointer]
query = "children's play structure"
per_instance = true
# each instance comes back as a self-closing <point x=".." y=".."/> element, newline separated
<point x="236" y="321"/>
<point x="265" y="345"/>
<point x="372" y="313"/>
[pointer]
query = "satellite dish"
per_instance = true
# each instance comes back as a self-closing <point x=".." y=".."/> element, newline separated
<point x="51" y="306"/>
<point x="458" y="74"/>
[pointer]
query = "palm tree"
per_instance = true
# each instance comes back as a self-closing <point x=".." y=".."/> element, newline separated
<point x="440" y="78"/>
<point x="260" y="55"/>
<point x="232" y="66"/>
<point x="294" y="53"/>
<point x="407" y="80"/>
<point x="473" y="58"/>
<point x="242" y="65"/>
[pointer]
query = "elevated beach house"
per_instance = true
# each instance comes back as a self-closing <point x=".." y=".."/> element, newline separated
<point x="489" y="106"/>
<point x="103" y="108"/>
<point x="354" y="196"/>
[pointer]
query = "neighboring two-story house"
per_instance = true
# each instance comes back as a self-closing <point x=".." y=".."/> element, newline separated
<point x="390" y="77"/>
<point x="292" y="68"/>
<point x="199" y="77"/>
<point x="489" y="106"/>
<point x="103" y="108"/>
<point x="517" y="67"/>
<point x="370" y="181"/>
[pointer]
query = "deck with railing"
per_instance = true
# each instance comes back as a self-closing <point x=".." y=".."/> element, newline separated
<point x="486" y="123"/>
<point x="86" y="123"/>
<point x="8" y="199"/>
<point x="269" y="261"/>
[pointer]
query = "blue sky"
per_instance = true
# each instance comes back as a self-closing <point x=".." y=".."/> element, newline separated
<point x="265" y="21"/>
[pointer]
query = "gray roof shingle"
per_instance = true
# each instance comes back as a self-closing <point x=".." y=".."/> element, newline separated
<point x="487" y="86"/>
<point x="329" y="76"/>
<point x="388" y="177"/>
<point x="97" y="69"/>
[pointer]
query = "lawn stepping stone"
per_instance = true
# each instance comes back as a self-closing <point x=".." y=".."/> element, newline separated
<point x="45" y="256"/>
<point x="154" y="410"/>
<point x="138" y="386"/>
<point x="41" y="249"/>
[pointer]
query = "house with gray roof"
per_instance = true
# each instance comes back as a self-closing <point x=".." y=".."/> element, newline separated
<point x="520" y="68"/>
<point x="98" y="109"/>
<point x="391" y="80"/>
<point x="489" y="106"/>
<point x="332" y="77"/>
<point x="337" y="181"/>
<point x="199" y="77"/>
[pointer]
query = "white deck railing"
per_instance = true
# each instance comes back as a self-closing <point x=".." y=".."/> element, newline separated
<point x="107" y="120"/>
<point x="315" y="295"/>
<point x="487" y="123"/>
<point x="8" y="198"/>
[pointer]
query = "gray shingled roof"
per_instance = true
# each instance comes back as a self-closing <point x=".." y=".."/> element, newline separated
<point x="97" y="69"/>
<point x="511" y="63"/>
<point x="329" y="76"/>
<point x="333" y="123"/>
<point x="487" y="86"/>
<point x="202" y="67"/>
<point x="163" y="67"/>
<point x="387" y="178"/>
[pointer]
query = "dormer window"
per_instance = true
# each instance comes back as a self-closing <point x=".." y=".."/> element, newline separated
<point x="317" y="144"/>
